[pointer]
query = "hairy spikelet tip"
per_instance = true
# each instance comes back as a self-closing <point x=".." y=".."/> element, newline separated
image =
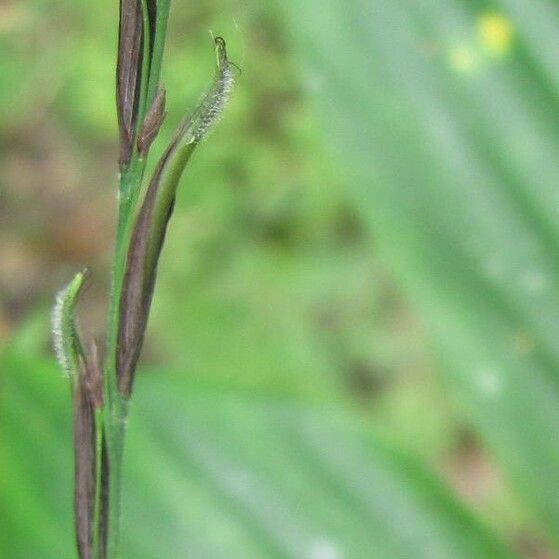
<point x="63" y="329"/>
<point x="213" y="102"/>
<point x="57" y="319"/>
<point x="218" y="98"/>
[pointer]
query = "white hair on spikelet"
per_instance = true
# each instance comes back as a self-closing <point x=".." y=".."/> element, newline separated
<point x="210" y="107"/>
<point x="63" y="328"/>
<point x="57" y="318"/>
<point x="214" y="101"/>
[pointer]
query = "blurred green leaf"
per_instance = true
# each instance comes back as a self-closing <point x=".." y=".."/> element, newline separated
<point x="222" y="474"/>
<point x="446" y="116"/>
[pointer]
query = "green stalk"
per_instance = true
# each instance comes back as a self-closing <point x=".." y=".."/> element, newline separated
<point x="97" y="521"/>
<point x="116" y="406"/>
<point x="132" y="215"/>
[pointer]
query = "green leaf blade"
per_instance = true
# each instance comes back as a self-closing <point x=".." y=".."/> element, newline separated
<point x="450" y="157"/>
<point x="224" y="474"/>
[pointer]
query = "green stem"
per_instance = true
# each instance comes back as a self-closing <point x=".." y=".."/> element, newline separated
<point x="130" y="188"/>
<point x="97" y="524"/>
<point x="116" y="406"/>
<point x="115" y="444"/>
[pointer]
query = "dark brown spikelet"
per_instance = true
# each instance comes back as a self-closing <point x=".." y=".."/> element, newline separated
<point x="94" y="375"/>
<point x="128" y="74"/>
<point x="152" y="123"/>
<point x="84" y="468"/>
<point x="148" y="233"/>
<point x="137" y="290"/>
<point x="88" y="396"/>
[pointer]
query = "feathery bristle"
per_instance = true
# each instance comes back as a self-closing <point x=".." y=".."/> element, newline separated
<point x="214" y="102"/>
<point x="63" y="328"/>
<point x="57" y="335"/>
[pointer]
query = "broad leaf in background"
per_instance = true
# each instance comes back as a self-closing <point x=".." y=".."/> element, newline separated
<point x="446" y="116"/>
<point x="219" y="474"/>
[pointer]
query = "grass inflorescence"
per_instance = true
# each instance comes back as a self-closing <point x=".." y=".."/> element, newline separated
<point x="101" y="389"/>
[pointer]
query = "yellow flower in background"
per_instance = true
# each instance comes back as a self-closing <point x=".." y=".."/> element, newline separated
<point x="495" y="32"/>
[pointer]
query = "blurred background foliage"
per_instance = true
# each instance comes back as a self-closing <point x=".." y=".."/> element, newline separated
<point x="357" y="286"/>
